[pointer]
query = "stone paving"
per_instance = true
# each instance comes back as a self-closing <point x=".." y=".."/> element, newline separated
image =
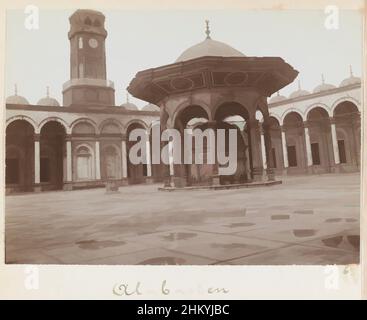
<point x="306" y="220"/>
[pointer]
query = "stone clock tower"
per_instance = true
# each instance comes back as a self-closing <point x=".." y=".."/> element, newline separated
<point x="88" y="84"/>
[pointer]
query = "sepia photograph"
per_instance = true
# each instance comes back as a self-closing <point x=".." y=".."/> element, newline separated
<point x="183" y="137"/>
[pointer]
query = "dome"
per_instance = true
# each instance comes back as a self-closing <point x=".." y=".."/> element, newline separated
<point x="277" y="98"/>
<point x="299" y="92"/>
<point x="15" y="99"/>
<point x="48" y="101"/>
<point x="150" y="107"/>
<point x="209" y="47"/>
<point x="129" y="106"/>
<point x="323" y="86"/>
<point x="351" y="80"/>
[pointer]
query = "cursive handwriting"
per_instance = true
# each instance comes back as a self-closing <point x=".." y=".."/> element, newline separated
<point x="136" y="289"/>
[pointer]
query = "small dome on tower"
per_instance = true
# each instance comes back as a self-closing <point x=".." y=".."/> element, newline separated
<point x="209" y="47"/>
<point x="350" y="80"/>
<point x="48" y="101"/>
<point x="151" y="107"/>
<point x="277" y="98"/>
<point x="15" y="99"/>
<point x="299" y="92"/>
<point x="323" y="86"/>
<point x="128" y="105"/>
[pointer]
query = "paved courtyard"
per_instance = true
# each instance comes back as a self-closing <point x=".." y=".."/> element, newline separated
<point x="306" y="220"/>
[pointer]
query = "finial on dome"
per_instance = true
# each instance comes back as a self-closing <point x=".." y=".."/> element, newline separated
<point x="322" y="78"/>
<point x="15" y="89"/>
<point x="47" y="91"/>
<point x="207" y="31"/>
<point x="351" y="70"/>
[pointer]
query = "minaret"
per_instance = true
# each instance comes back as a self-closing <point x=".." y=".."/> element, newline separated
<point x="88" y="84"/>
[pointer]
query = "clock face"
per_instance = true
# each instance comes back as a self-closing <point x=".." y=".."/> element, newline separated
<point x="93" y="43"/>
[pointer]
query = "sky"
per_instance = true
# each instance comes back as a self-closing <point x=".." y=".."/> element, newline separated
<point x="139" y="40"/>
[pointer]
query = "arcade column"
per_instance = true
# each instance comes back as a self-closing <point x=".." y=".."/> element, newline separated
<point x="68" y="174"/>
<point x="37" y="165"/>
<point x="124" y="160"/>
<point x="308" y="146"/>
<point x="335" y="144"/>
<point x="284" y="149"/>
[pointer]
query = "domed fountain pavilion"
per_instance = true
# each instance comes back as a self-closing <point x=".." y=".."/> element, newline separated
<point x="220" y="87"/>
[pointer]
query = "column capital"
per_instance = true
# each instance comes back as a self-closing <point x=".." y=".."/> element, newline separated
<point x="68" y="137"/>
<point x="283" y="128"/>
<point x="332" y="120"/>
<point x="124" y="137"/>
<point x="306" y="124"/>
<point x="37" y="137"/>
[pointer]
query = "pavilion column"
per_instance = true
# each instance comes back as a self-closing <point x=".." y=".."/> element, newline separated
<point x="284" y="148"/>
<point x="124" y="159"/>
<point x="268" y="152"/>
<point x="148" y="160"/>
<point x="334" y="141"/>
<point x="308" y="144"/>
<point x="37" y="166"/>
<point x="98" y="161"/>
<point x="255" y="140"/>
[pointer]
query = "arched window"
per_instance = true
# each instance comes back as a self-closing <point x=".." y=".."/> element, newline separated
<point x="84" y="163"/>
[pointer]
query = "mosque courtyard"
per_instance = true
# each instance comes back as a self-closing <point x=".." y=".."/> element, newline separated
<point x="305" y="220"/>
